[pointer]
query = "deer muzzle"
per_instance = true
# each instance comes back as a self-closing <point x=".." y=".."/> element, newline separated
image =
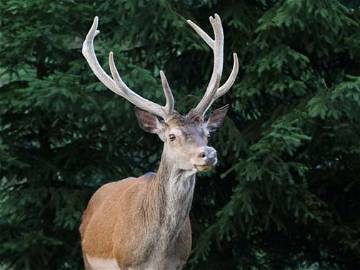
<point x="206" y="158"/>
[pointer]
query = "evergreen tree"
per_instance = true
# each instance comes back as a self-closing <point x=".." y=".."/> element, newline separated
<point x="285" y="194"/>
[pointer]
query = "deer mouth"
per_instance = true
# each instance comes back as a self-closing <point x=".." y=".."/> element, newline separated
<point x="203" y="168"/>
<point x="208" y="165"/>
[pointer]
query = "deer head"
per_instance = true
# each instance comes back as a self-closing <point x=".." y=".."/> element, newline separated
<point x="185" y="137"/>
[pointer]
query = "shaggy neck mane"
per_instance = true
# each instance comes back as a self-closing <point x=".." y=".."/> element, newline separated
<point x="169" y="200"/>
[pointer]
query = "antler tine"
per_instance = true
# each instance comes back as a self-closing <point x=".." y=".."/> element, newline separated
<point x="170" y="102"/>
<point x="213" y="91"/>
<point x="131" y="96"/>
<point x="209" y="41"/>
<point x="116" y="84"/>
<point x="89" y="54"/>
<point x="218" y="49"/>
<point x="229" y="82"/>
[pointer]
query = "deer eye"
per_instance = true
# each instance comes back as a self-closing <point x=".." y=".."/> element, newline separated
<point x="172" y="137"/>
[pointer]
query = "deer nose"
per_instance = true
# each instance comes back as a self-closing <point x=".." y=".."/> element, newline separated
<point x="208" y="155"/>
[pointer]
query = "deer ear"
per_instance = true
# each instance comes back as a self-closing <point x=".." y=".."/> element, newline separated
<point x="149" y="122"/>
<point x="216" y="118"/>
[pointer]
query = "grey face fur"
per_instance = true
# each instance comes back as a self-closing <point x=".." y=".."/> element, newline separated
<point x="185" y="137"/>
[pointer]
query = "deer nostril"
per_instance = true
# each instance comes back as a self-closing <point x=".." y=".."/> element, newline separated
<point x="202" y="155"/>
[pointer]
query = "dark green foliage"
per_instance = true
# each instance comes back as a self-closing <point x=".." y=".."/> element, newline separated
<point x="286" y="192"/>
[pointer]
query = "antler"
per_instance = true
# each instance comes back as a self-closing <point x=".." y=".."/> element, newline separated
<point x="213" y="91"/>
<point x="117" y="85"/>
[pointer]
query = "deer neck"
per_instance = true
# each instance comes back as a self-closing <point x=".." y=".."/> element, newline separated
<point x="172" y="193"/>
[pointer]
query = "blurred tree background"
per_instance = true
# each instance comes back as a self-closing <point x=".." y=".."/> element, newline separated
<point x="286" y="192"/>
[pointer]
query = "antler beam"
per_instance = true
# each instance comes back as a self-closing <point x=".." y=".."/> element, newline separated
<point x="117" y="85"/>
<point x="213" y="91"/>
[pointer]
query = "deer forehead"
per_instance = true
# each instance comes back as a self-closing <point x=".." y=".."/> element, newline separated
<point x="186" y="130"/>
<point x="189" y="131"/>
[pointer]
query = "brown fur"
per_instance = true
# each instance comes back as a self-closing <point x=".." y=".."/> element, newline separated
<point x="105" y="233"/>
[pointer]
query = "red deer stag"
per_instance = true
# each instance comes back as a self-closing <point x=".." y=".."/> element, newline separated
<point x="143" y="222"/>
